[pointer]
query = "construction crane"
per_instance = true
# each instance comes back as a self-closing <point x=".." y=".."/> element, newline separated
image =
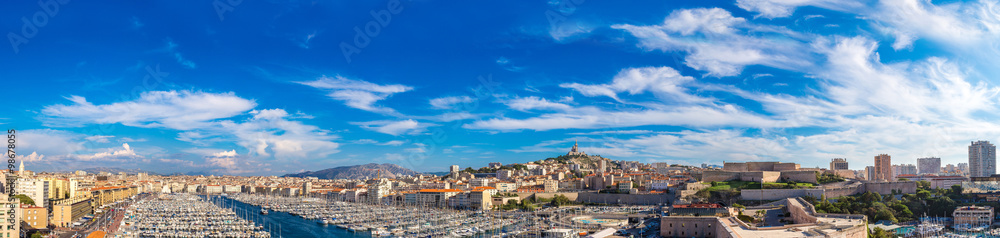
<point x="379" y="177"/>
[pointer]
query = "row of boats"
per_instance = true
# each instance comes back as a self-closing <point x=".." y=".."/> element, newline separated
<point x="395" y="221"/>
<point x="186" y="215"/>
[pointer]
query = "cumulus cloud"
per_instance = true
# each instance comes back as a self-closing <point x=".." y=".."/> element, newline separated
<point x="33" y="157"/>
<point x="180" y="110"/>
<point x="112" y="154"/>
<point x="358" y="94"/>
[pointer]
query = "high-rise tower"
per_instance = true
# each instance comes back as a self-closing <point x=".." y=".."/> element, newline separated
<point x="982" y="159"/>
<point x="883" y="167"/>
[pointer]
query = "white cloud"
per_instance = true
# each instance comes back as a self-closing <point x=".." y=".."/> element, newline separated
<point x="358" y="93"/>
<point x="269" y="132"/>
<point x="591" y="118"/>
<point x="33" y="157"/>
<point x="909" y="19"/>
<point x="224" y="159"/>
<point x="785" y="8"/>
<point x="121" y="154"/>
<point x="180" y="110"/>
<point x="393" y="143"/>
<point x="535" y="103"/>
<point x="507" y="65"/>
<point x="449" y="102"/>
<point x="408" y="126"/>
<point x="704" y="20"/>
<point x="200" y="116"/>
<point x="967" y="27"/>
<point x="720" y="44"/>
<point x="570" y="30"/>
<point x="50" y="142"/>
<point x="230" y="162"/>
<point x="677" y="107"/>
<point x="230" y="153"/>
<point x="99" y="138"/>
<point x="614" y="132"/>
<point x="389" y="143"/>
<point x="928" y="90"/>
<point x="420" y="149"/>
<point x="664" y="82"/>
<point x="172" y="49"/>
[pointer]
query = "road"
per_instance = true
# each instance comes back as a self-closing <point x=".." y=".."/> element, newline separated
<point x="109" y="221"/>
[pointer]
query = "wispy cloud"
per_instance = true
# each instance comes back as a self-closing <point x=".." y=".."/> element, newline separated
<point x="180" y="110"/>
<point x="395" y="128"/>
<point x="718" y="43"/>
<point x="449" y="102"/>
<point x="358" y="94"/>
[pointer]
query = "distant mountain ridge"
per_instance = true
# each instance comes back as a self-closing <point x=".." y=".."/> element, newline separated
<point x="357" y="172"/>
<point x="115" y="170"/>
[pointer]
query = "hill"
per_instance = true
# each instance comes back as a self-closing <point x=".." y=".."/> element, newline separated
<point x="357" y="172"/>
<point x="585" y="161"/>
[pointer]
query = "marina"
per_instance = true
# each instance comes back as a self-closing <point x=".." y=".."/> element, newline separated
<point x="371" y="220"/>
<point x="185" y="215"/>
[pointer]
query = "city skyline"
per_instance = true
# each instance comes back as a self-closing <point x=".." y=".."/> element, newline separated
<point x="429" y="84"/>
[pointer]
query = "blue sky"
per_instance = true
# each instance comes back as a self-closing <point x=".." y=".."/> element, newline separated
<point x="273" y="87"/>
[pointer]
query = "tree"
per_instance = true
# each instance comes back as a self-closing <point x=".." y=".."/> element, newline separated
<point x="924" y="184"/>
<point x="942" y="206"/>
<point x="879" y="233"/>
<point x="25" y="199"/>
<point x="824" y="178"/>
<point x="956" y="189"/>
<point x="870" y="197"/>
<point x="884" y="213"/>
<point x="924" y="194"/>
<point x="559" y="200"/>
